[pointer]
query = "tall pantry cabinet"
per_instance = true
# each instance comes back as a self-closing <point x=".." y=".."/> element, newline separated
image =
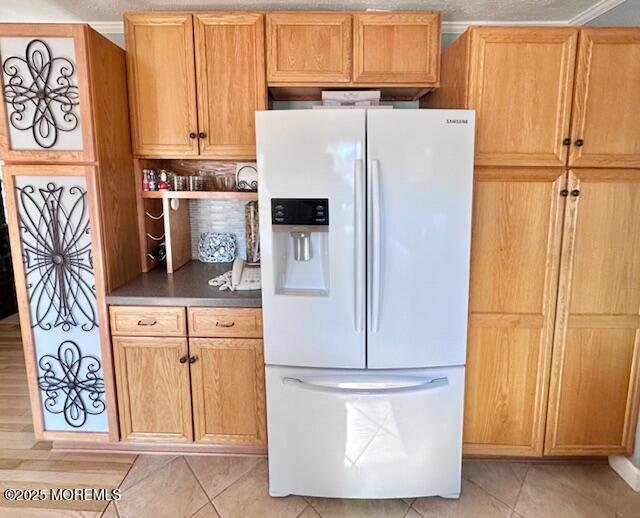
<point x="68" y="181"/>
<point x="555" y="279"/>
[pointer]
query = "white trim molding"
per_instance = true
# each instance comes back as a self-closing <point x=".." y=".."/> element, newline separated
<point x="108" y="27"/>
<point x="627" y="471"/>
<point x="597" y="9"/>
<point x="460" y="27"/>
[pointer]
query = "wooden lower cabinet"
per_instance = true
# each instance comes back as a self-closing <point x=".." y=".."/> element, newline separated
<point x="177" y="390"/>
<point x="514" y="269"/>
<point x="227" y="384"/>
<point x="152" y="377"/>
<point x="594" y="392"/>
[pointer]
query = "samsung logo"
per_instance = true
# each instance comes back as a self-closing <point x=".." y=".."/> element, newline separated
<point x="457" y="121"/>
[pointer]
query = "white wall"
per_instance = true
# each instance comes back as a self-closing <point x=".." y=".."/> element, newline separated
<point x="626" y="14"/>
<point x="34" y="11"/>
<point x="43" y="11"/>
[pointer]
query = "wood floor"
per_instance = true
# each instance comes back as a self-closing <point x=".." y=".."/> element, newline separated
<point x="29" y="464"/>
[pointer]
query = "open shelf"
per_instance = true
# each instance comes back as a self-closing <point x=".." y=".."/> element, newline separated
<point x="202" y="195"/>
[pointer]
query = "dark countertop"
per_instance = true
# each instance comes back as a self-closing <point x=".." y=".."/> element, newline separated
<point x="186" y="287"/>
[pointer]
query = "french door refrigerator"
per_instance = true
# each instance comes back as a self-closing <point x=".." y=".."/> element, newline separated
<point x="365" y="237"/>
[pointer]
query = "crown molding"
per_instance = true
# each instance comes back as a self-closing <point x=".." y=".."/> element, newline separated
<point x="460" y="27"/>
<point x="598" y="9"/>
<point x="585" y="16"/>
<point x="108" y="27"/>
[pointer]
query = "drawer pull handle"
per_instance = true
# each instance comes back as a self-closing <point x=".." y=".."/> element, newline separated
<point x="147" y="323"/>
<point x="183" y="359"/>
<point x="193" y="359"/>
<point x="225" y="324"/>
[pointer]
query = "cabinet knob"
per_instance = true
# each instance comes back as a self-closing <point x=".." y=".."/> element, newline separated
<point x="579" y="142"/>
<point x="183" y="359"/>
<point x="202" y="134"/>
<point x="575" y="193"/>
<point x="566" y="142"/>
<point x="193" y="134"/>
<point x="193" y="359"/>
<point x="564" y="193"/>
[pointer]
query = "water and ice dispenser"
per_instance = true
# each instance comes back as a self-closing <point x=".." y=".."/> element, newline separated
<point x="301" y="245"/>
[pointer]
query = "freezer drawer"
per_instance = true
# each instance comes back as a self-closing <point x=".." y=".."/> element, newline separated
<point x="365" y="434"/>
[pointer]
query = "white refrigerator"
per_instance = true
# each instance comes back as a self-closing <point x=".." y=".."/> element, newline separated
<point x="365" y="223"/>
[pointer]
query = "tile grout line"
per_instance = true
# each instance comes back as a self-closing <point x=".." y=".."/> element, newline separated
<point x="223" y="490"/>
<point x="312" y="506"/>
<point x="409" y="510"/>
<point x="210" y="500"/>
<point x="491" y="495"/>
<point x="115" y="503"/>
<point x="524" y="479"/>
<point x="497" y="498"/>
<point x="201" y="508"/>
<point x="146" y="476"/>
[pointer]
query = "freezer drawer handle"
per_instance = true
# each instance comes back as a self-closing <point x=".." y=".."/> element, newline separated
<point x="421" y="386"/>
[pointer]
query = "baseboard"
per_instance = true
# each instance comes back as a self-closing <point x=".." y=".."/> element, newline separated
<point x="132" y="447"/>
<point x="623" y="467"/>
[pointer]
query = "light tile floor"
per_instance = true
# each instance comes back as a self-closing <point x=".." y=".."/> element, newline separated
<point x="210" y="487"/>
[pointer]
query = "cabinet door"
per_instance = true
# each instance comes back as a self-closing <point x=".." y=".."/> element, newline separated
<point x="227" y="382"/>
<point x="152" y="377"/>
<point x="605" y="124"/>
<point x="396" y="48"/>
<point x="162" y="84"/>
<point x="593" y="396"/>
<point x="56" y="239"/>
<point x="308" y="48"/>
<point x="46" y="113"/>
<point x="520" y="86"/>
<point x="231" y="83"/>
<point x="514" y="265"/>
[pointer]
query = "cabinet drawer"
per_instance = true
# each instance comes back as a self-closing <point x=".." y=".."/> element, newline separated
<point x="225" y="322"/>
<point x="147" y="321"/>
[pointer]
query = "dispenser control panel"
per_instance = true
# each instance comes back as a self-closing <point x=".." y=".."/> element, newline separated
<point x="300" y="211"/>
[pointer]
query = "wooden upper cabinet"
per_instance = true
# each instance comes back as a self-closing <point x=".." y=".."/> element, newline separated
<point x="517" y="215"/>
<point x="605" y="123"/>
<point x="152" y="378"/>
<point x="305" y="47"/>
<point x="231" y="82"/>
<point x="593" y="394"/>
<point x="520" y="84"/>
<point x="162" y="83"/>
<point x="227" y="383"/>
<point x="396" y="48"/>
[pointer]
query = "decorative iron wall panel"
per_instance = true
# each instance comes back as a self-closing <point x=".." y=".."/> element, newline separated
<point x="56" y="247"/>
<point x="40" y="91"/>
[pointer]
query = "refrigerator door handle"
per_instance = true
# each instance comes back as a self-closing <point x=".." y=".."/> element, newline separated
<point x="351" y="387"/>
<point x="359" y="244"/>
<point x="376" y="245"/>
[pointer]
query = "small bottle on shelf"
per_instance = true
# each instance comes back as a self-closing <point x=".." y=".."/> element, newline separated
<point x="145" y="180"/>
<point x="153" y="181"/>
